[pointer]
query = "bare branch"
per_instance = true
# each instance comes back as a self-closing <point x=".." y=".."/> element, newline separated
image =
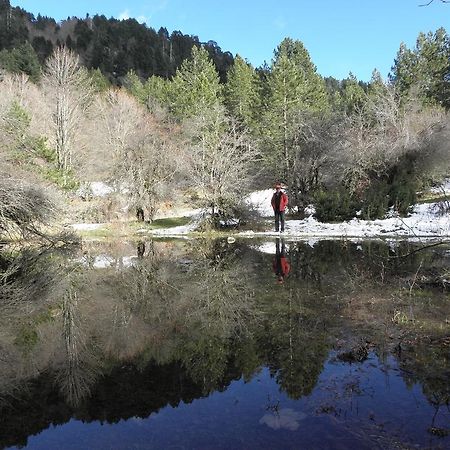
<point x="431" y="1"/>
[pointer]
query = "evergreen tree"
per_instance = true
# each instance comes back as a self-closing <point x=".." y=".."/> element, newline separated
<point x="21" y="59"/>
<point x="13" y="28"/>
<point x="195" y="87"/>
<point x="353" y="95"/>
<point x="433" y="66"/>
<point x="241" y="92"/>
<point x="403" y="72"/>
<point x="293" y="87"/>
<point x="426" y="68"/>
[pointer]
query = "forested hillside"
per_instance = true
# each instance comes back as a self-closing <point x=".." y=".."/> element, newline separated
<point x="163" y="117"/>
<point x="113" y="46"/>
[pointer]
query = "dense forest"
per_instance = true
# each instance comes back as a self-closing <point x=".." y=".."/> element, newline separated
<point x="162" y="117"/>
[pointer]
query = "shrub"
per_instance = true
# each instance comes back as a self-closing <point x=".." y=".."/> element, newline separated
<point x="334" y="205"/>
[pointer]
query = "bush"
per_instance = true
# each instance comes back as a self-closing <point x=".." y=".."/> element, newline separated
<point x="64" y="179"/>
<point x="375" y="200"/>
<point x="335" y="205"/>
<point x="23" y="207"/>
<point x="403" y="186"/>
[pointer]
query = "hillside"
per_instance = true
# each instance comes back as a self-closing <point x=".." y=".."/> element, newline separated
<point x="111" y="45"/>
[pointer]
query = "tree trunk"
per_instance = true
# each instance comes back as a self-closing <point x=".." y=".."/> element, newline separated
<point x="140" y="214"/>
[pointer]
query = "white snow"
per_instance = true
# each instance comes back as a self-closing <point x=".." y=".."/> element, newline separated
<point x="87" y="226"/>
<point x="260" y="201"/>
<point x="100" y="189"/>
<point x="94" y="189"/>
<point x="443" y="188"/>
<point x="422" y="222"/>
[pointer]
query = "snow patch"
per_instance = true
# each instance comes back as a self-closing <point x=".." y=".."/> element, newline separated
<point x="87" y="226"/>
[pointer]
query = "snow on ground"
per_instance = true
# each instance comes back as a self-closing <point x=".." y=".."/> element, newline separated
<point x="423" y="222"/>
<point x="94" y="189"/>
<point x="178" y="212"/>
<point x="87" y="226"/>
<point x="443" y="188"/>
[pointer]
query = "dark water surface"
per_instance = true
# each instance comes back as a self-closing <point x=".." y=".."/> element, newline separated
<point x="206" y="344"/>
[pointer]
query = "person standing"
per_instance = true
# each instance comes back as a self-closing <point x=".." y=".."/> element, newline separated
<point x="279" y="203"/>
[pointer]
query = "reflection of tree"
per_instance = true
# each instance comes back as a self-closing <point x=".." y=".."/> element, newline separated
<point x="28" y="278"/>
<point x="76" y="372"/>
<point x="427" y="363"/>
<point x="294" y="340"/>
<point x="181" y="321"/>
<point x="221" y="298"/>
<point x="38" y="292"/>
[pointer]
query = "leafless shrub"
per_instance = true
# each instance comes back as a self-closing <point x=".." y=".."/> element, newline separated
<point x="381" y="133"/>
<point x="23" y="207"/>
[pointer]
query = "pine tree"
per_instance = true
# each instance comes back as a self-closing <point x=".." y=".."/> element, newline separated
<point x="403" y="72"/>
<point x="241" y="92"/>
<point x="195" y="87"/>
<point x="425" y="69"/>
<point x="353" y="95"/>
<point x="294" y="88"/>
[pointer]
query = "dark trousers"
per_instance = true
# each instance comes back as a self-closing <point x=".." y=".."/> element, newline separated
<point x="279" y="219"/>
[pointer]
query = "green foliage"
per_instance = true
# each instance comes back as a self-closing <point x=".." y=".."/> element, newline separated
<point x="22" y="59"/>
<point x="426" y="68"/>
<point x="293" y="87"/>
<point x="43" y="48"/>
<point x="397" y="188"/>
<point x="375" y="201"/>
<point x="17" y="121"/>
<point x="242" y="92"/>
<point x="353" y="95"/>
<point x="168" y="222"/>
<point x="134" y="84"/>
<point x="41" y="148"/>
<point x="99" y="82"/>
<point x="28" y="337"/>
<point x="195" y="87"/>
<point x="334" y="205"/>
<point x="64" y="179"/>
<point x="13" y="26"/>
<point x="403" y="185"/>
<point x="157" y="91"/>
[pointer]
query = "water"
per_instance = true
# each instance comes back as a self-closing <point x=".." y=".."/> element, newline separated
<point x="207" y="344"/>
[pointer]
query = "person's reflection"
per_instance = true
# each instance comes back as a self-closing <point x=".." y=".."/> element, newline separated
<point x="281" y="265"/>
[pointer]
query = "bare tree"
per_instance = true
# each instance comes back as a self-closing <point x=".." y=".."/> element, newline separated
<point x="381" y="133"/>
<point x="143" y="152"/>
<point x="220" y="158"/>
<point x="71" y="92"/>
<point x="312" y="143"/>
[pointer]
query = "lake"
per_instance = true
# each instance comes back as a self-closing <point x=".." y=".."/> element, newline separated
<point x="207" y="344"/>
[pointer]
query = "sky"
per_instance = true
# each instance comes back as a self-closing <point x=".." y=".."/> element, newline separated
<point x="341" y="36"/>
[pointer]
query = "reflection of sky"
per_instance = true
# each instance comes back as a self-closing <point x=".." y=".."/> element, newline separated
<point x="360" y="399"/>
<point x="285" y="418"/>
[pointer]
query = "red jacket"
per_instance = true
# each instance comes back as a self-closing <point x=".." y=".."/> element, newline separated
<point x="283" y="201"/>
<point x="281" y="266"/>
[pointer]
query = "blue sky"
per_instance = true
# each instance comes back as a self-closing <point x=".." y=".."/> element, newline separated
<point x="340" y="35"/>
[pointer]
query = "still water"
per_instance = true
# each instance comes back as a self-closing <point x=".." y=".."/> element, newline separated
<point x="206" y="344"/>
